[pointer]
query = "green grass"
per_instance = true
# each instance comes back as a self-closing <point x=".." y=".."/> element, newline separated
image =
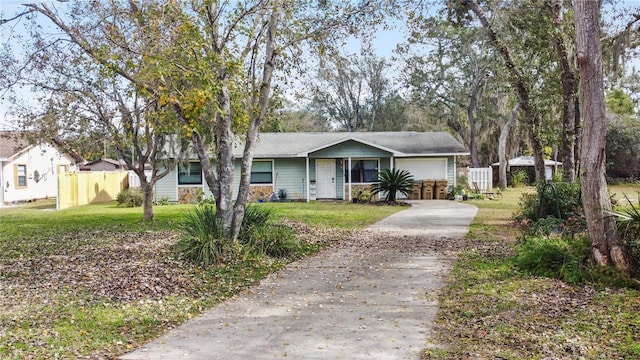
<point x="339" y="215"/>
<point x="493" y="221"/>
<point x="39" y="228"/>
<point x="490" y="310"/>
<point x="44" y="217"/>
<point x="59" y="268"/>
<point x="619" y="190"/>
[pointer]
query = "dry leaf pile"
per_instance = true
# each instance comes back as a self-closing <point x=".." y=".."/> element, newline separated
<point x="117" y="266"/>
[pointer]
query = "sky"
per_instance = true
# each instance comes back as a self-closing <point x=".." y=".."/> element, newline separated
<point x="383" y="44"/>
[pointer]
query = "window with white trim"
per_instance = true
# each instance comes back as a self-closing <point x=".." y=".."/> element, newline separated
<point x="262" y="172"/>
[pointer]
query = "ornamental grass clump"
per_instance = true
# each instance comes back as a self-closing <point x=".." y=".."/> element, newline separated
<point x="254" y="216"/>
<point x="203" y="239"/>
<point x="259" y="235"/>
<point x="274" y="240"/>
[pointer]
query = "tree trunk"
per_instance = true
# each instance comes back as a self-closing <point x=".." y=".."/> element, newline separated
<point x="568" y="145"/>
<point x="219" y="179"/>
<point x="473" y="100"/>
<point x="606" y="246"/>
<point x="147" y="200"/>
<point x="568" y="136"/>
<point x="502" y="147"/>
<point x="210" y="176"/>
<point x="256" y="120"/>
<point x="374" y="107"/>
<point x="538" y="156"/>
<point x="224" y="162"/>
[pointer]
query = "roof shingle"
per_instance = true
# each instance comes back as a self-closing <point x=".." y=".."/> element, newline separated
<point x="400" y="144"/>
<point x="12" y="143"/>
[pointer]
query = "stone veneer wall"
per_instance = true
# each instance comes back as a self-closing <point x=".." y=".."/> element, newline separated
<point x="189" y="195"/>
<point x="260" y="192"/>
<point x="193" y="195"/>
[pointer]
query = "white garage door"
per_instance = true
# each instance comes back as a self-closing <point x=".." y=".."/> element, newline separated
<point x="424" y="168"/>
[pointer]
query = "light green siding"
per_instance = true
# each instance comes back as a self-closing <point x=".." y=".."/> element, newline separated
<point x="290" y="173"/>
<point x="167" y="187"/>
<point x="291" y="176"/>
<point x="385" y="163"/>
<point x="237" y="165"/>
<point x="350" y="149"/>
<point x="207" y="192"/>
<point x="451" y="175"/>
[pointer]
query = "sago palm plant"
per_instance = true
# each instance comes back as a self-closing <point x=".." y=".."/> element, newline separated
<point x="628" y="223"/>
<point x="393" y="181"/>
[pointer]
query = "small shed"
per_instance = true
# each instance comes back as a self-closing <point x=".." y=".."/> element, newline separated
<point x="526" y="163"/>
<point x="104" y="164"/>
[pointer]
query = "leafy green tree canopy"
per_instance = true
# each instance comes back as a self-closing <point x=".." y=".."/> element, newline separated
<point x="619" y="103"/>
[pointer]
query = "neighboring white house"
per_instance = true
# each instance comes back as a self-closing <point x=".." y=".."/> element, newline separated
<point x="28" y="171"/>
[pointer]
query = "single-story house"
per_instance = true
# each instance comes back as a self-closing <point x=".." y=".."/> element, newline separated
<point x="329" y="165"/>
<point x="29" y="172"/>
<point x="526" y="163"/>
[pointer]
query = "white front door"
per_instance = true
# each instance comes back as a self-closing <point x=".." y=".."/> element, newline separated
<point x="326" y="179"/>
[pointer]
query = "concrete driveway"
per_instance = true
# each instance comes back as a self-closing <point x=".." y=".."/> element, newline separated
<point x="373" y="298"/>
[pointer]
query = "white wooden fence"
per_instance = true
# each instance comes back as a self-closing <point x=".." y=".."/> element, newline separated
<point x="482" y="178"/>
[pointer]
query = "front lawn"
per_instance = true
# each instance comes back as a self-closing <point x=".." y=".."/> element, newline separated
<point x="95" y="281"/>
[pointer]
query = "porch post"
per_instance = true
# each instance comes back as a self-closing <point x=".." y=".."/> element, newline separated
<point x="391" y="161"/>
<point x="349" y="172"/>
<point x="455" y="172"/>
<point x="308" y="181"/>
